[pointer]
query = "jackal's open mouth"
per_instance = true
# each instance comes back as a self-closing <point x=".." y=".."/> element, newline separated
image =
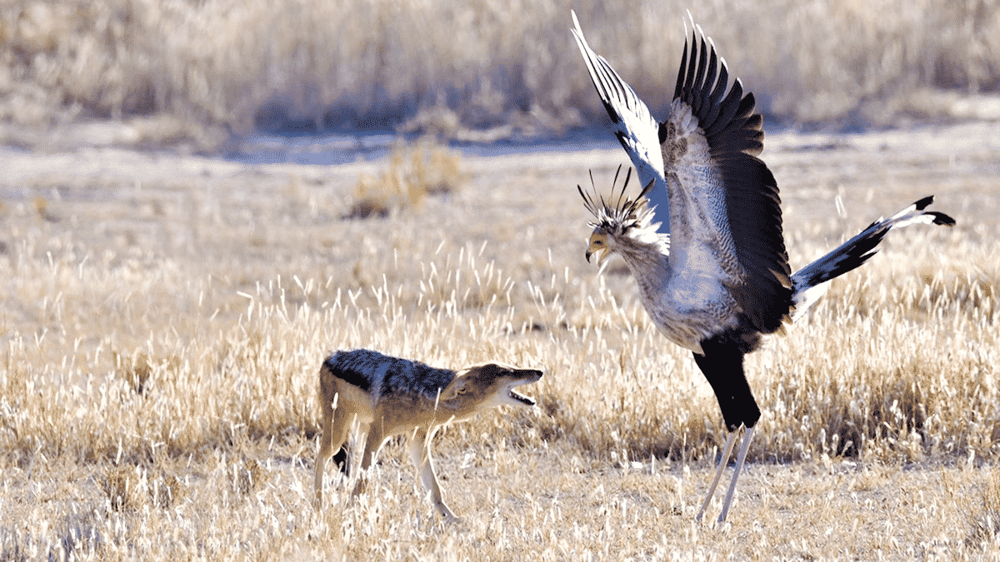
<point x="534" y="376"/>
<point x="522" y="399"/>
<point x="517" y="377"/>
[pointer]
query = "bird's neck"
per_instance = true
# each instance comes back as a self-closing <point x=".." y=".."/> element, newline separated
<point x="646" y="257"/>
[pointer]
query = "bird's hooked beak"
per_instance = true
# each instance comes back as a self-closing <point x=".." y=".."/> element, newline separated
<point x="598" y="246"/>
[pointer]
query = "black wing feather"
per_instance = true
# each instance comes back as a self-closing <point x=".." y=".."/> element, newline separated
<point x="707" y="94"/>
<point x="678" y="89"/>
<point x="718" y="94"/>
<point x="735" y="135"/>
<point x="701" y="92"/>
<point x="727" y="110"/>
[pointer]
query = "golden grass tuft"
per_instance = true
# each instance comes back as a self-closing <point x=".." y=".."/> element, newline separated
<point x="414" y="172"/>
<point x="983" y="511"/>
<point x="131" y="488"/>
<point x="137" y="368"/>
<point x="121" y="486"/>
<point x="166" y="492"/>
<point x="248" y="477"/>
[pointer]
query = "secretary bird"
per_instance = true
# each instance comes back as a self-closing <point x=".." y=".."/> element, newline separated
<point x="703" y="239"/>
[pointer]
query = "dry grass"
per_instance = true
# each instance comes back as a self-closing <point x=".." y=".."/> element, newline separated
<point x="217" y="292"/>
<point x="414" y="172"/>
<point x="190" y="72"/>
<point x="982" y="509"/>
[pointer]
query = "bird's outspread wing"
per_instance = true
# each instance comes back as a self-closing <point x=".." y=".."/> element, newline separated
<point x="721" y="193"/>
<point x="635" y="127"/>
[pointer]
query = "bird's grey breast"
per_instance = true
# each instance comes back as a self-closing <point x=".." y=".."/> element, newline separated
<point x="687" y="308"/>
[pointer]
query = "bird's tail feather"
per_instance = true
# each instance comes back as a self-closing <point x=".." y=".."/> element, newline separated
<point x="811" y="281"/>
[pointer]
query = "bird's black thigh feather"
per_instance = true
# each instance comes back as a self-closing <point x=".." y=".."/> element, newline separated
<point x="722" y="365"/>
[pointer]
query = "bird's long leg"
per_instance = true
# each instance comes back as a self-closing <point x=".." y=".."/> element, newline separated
<point x="747" y="437"/>
<point x="727" y="450"/>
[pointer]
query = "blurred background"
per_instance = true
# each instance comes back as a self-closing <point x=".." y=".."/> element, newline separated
<point x="200" y="73"/>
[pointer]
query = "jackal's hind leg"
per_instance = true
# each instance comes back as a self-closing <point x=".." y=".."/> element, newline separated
<point x="336" y="425"/>
<point x="372" y="444"/>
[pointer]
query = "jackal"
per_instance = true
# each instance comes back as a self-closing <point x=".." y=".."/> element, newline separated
<point x="389" y="396"/>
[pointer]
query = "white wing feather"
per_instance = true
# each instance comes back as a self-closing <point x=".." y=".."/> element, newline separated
<point x="635" y="127"/>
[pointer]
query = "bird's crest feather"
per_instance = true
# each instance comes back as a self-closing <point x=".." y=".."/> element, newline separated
<point x="618" y="213"/>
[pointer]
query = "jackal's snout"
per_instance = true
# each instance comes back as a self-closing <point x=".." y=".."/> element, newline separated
<point x="518" y="377"/>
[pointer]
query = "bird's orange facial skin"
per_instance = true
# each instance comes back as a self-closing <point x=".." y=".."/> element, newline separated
<point x="598" y="245"/>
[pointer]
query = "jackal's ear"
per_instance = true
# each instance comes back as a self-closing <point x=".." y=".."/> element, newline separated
<point x="458" y="386"/>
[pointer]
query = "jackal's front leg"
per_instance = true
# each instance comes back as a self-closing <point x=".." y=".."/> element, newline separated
<point x="420" y="454"/>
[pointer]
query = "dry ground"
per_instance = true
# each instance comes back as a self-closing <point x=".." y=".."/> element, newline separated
<point x="163" y="319"/>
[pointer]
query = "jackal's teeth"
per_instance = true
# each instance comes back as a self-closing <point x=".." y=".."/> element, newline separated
<point x="523" y="399"/>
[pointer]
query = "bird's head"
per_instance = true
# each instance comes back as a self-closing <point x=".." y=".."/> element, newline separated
<point x="618" y="220"/>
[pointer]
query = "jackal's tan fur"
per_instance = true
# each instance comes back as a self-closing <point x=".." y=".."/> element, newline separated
<point x="389" y="396"/>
